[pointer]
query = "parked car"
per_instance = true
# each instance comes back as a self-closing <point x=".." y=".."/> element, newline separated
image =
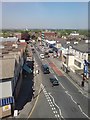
<point x="50" y="51"/>
<point x="54" y="81"/>
<point x="42" y="56"/>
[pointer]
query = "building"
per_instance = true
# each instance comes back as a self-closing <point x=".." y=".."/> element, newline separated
<point x="75" y="55"/>
<point x="17" y="35"/>
<point x="12" y="57"/>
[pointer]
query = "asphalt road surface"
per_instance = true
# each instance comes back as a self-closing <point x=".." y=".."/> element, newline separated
<point x="66" y="100"/>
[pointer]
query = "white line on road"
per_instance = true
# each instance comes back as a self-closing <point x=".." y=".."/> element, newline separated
<point x="77" y="104"/>
<point x="56" y="106"/>
<point x="61" y="85"/>
<point x="54" y="111"/>
<point x="83" y="112"/>
<point x="71" y="97"/>
<point x="50" y="102"/>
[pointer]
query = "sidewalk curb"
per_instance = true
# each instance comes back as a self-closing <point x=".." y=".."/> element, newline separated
<point x="25" y="112"/>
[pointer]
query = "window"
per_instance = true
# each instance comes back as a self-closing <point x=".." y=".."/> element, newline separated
<point x="77" y="63"/>
<point x="84" y="57"/>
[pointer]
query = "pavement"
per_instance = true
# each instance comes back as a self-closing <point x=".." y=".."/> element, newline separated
<point x="77" y="79"/>
<point x="25" y="111"/>
<point x="28" y="94"/>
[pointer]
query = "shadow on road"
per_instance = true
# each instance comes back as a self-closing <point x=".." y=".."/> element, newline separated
<point x="26" y="91"/>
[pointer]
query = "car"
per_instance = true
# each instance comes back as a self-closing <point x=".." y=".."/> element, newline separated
<point x="54" y="81"/>
<point x="50" y="51"/>
<point x="45" y="69"/>
<point x="42" y="56"/>
<point x="46" y="54"/>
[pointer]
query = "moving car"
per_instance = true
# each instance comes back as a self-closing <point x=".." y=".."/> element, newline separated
<point x="45" y="69"/>
<point x="54" y="81"/>
<point x="42" y="56"/>
<point x="46" y="54"/>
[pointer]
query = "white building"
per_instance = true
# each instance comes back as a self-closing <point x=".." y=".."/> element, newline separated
<point x="75" y="56"/>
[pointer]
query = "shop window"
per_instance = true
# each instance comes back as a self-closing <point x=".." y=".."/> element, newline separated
<point x="77" y="63"/>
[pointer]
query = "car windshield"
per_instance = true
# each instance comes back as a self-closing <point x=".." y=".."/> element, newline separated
<point x="54" y="79"/>
<point x="55" y="82"/>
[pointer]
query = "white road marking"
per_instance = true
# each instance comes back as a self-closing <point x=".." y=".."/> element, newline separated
<point x="54" y="111"/>
<point x="61" y="85"/>
<point x="80" y="91"/>
<point x="56" y="106"/>
<point x="50" y="105"/>
<point x="71" y="97"/>
<point x="50" y="102"/>
<point x="48" y="98"/>
<point x="59" y="82"/>
<point x="57" y="115"/>
<point x="52" y="108"/>
<point x="77" y="104"/>
<point x="47" y="95"/>
<point x="83" y="112"/>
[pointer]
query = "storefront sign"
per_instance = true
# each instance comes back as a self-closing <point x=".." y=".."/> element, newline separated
<point x="6" y="107"/>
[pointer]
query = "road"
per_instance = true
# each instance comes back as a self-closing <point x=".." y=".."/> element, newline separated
<point x="66" y="99"/>
<point x="42" y="108"/>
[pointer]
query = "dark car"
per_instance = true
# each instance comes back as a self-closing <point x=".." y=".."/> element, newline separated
<point x="46" y="54"/>
<point x="50" y="51"/>
<point x="45" y="69"/>
<point x="54" y="81"/>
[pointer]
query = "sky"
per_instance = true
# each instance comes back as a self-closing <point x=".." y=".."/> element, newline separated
<point x="52" y="15"/>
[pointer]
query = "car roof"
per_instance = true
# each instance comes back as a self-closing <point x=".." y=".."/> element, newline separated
<point x="45" y="65"/>
<point x="53" y="78"/>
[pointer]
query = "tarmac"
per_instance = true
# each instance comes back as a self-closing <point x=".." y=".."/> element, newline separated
<point x="76" y="78"/>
